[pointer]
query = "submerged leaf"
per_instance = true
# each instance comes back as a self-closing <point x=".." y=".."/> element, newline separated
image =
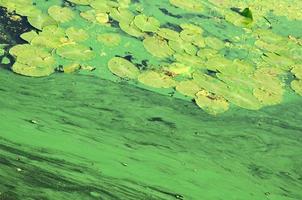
<point x="109" y="39"/>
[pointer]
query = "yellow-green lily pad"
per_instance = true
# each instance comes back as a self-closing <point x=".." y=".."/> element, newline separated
<point x="146" y="24"/>
<point x="296" y="85"/>
<point x="156" y="80"/>
<point x="76" y="34"/>
<point x="60" y="14"/>
<point x="123" y="68"/>
<point x="188" y="88"/>
<point x="75" y="52"/>
<point x="211" y="103"/>
<point x="157" y="47"/>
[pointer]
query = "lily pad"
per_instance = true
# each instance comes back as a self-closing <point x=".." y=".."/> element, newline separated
<point x="131" y="29"/>
<point x="146" y="24"/>
<point x="211" y="103"/>
<point x="29" y="36"/>
<point x="123" y="68"/>
<point x="214" y="43"/>
<point x="296" y="85"/>
<point x="156" y="80"/>
<point x="75" y="52"/>
<point x="297" y="71"/>
<point x="76" y="34"/>
<point x="41" y="20"/>
<point x="60" y="14"/>
<point x="188" y="88"/>
<point x="157" y="47"/>
<point x="168" y="34"/>
<point x="32" y="60"/>
<point x="121" y="15"/>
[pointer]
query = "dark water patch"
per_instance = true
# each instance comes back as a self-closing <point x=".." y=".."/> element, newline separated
<point x="166" y="12"/>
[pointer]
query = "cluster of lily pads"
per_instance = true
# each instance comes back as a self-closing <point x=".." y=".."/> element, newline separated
<point x="191" y="61"/>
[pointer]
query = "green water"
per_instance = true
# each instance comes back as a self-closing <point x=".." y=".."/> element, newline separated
<point x="93" y="135"/>
<point x="81" y="137"/>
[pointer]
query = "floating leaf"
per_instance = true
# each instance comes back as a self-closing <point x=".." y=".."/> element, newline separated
<point x="188" y="88"/>
<point x="76" y="34"/>
<point x="75" y="52"/>
<point x="297" y="86"/>
<point x="32" y="60"/>
<point x="267" y="96"/>
<point x="211" y="103"/>
<point x="29" y="36"/>
<point x="50" y="37"/>
<point x="297" y="71"/>
<point x="130" y="28"/>
<point x="168" y="34"/>
<point x="81" y="2"/>
<point x="179" y="69"/>
<point x="41" y="20"/>
<point x="214" y="43"/>
<point x="70" y="68"/>
<point x="121" y="15"/>
<point x="123" y="68"/>
<point x="60" y="14"/>
<point x="5" y="60"/>
<point x="181" y="47"/>
<point x="146" y="24"/>
<point x="157" y="47"/>
<point x="102" y="18"/>
<point x="156" y="80"/>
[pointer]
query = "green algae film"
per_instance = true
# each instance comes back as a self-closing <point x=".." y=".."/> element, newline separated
<point x="69" y="143"/>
